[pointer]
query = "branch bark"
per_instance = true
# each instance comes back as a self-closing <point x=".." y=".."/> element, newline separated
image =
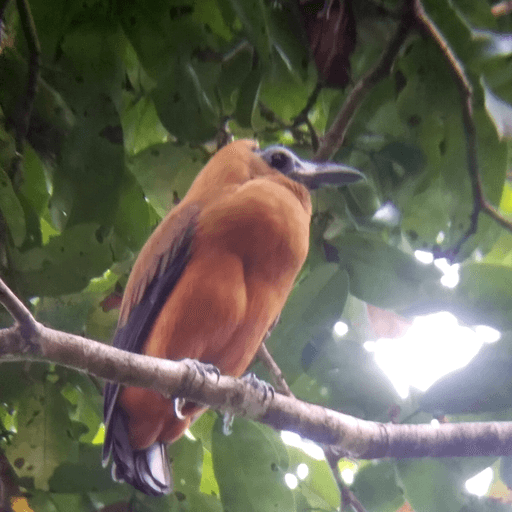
<point x="29" y="340"/>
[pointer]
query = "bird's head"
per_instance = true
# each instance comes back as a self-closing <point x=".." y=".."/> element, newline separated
<point x="313" y="175"/>
<point x="242" y="161"/>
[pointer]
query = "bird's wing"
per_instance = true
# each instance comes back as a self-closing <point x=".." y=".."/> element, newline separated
<point x="154" y="280"/>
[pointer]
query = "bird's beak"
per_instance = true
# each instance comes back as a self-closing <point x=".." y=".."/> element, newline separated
<point x="315" y="175"/>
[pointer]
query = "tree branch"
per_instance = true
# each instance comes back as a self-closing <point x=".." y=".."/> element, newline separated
<point x="480" y="204"/>
<point x="357" y="438"/>
<point x="274" y="370"/>
<point x="333" y="139"/>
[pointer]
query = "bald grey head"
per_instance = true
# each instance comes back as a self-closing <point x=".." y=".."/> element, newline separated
<point x="311" y="174"/>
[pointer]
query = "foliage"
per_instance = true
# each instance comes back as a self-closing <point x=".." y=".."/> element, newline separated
<point x="130" y="93"/>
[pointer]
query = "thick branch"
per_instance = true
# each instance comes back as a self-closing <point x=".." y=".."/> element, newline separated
<point x="357" y="438"/>
<point x="333" y="139"/>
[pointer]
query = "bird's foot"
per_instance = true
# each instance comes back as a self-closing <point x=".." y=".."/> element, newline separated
<point x="203" y="368"/>
<point x="263" y="387"/>
<point x="260" y="385"/>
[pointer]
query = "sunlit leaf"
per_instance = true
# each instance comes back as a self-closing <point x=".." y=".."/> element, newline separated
<point x="249" y="465"/>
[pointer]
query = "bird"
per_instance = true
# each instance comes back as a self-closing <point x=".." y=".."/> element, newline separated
<point x="208" y="285"/>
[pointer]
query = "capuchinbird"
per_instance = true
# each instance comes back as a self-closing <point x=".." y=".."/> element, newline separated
<point x="208" y="285"/>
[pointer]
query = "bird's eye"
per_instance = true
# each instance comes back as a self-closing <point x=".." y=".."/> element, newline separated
<point x="281" y="161"/>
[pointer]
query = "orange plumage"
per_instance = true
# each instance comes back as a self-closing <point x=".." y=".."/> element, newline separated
<point x="208" y="285"/>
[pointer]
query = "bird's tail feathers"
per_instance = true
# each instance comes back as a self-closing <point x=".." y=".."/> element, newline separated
<point x="147" y="470"/>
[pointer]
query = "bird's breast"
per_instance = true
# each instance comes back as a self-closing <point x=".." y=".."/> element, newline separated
<point x="263" y="223"/>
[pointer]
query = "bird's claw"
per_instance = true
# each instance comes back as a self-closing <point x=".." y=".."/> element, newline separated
<point x="260" y="385"/>
<point x="203" y="368"/>
<point x="227" y="423"/>
<point x="178" y="406"/>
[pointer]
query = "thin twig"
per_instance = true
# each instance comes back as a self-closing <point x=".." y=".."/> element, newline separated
<point x="466" y="96"/>
<point x="333" y="139"/>
<point x="348" y="498"/>
<point x="303" y="116"/>
<point x="24" y="114"/>
<point x="274" y="370"/>
<point x="496" y="216"/>
<point x="15" y="307"/>
<point x="304" y="113"/>
<point x="332" y="453"/>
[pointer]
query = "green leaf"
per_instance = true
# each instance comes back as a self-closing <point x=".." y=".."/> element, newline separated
<point x="187" y="457"/>
<point x="319" y="487"/>
<point x="55" y="502"/>
<point x="203" y="427"/>
<point x="184" y="104"/>
<point x="43" y="440"/>
<point x="34" y="187"/>
<point x="383" y="275"/>
<point x="484" y="293"/>
<point x="254" y="17"/>
<point x="376" y="487"/>
<point x="286" y="33"/>
<point x="454" y="19"/>
<point x="13" y="381"/>
<point x="86" y="401"/>
<point x="248" y="98"/>
<point x="11" y="209"/>
<point x="310" y="313"/>
<point x="283" y="91"/>
<point x="249" y="465"/>
<point x="82" y="181"/>
<point x="95" y="49"/>
<point x="141" y="126"/>
<point x="163" y="170"/>
<point x="65" y="264"/>
<point x="65" y="312"/>
<point x="430" y="484"/>
<point x="234" y="71"/>
<point x="133" y="218"/>
<point x="501" y="252"/>
<point x="477" y="12"/>
<point x="209" y="483"/>
<point x="160" y="31"/>
<point x="87" y="474"/>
